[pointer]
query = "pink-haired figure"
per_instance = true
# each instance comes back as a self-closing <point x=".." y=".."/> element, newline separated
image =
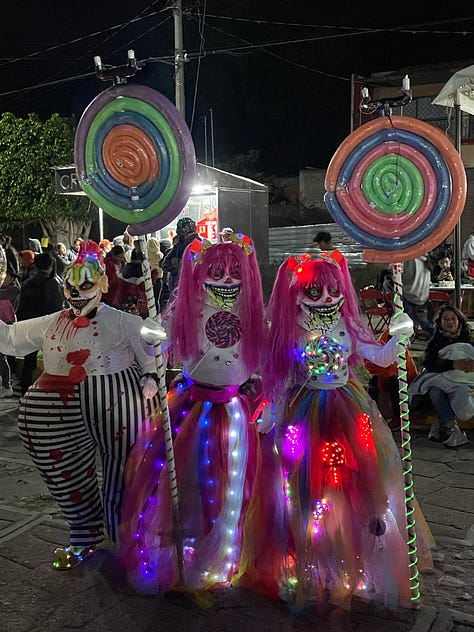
<point x="341" y="470"/>
<point x="216" y="331"/>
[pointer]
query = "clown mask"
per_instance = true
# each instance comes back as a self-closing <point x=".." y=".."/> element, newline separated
<point x="322" y="303"/>
<point x="84" y="284"/>
<point x="223" y="284"/>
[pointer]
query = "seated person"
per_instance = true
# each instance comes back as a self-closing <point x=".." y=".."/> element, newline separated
<point x="449" y="376"/>
<point x="383" y="385"/>
<point x="443" y="270"/>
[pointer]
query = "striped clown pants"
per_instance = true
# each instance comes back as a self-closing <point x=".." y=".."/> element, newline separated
<point x="63" y="435"/>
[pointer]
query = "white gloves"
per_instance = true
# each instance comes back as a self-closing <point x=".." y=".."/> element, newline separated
<point x="152" y="331"/>
<point x="401" y="325"/>
<point x="149" y="386"/>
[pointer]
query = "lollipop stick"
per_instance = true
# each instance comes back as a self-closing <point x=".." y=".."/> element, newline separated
<point x="406" y="444"/>
<point x="160" y="369"/>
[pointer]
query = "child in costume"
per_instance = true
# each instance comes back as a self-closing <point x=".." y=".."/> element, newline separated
<point x="341" y="469"/>
<point x="216" y="325"/>
<point x="98" y="373"/>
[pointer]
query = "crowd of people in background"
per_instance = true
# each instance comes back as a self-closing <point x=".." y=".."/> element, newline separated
<point x="34" y="285"/>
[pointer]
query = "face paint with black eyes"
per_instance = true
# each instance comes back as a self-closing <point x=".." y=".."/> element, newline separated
<point x="322" y="303"/>
<point x="223" y="285"/>
<point x="83" y="288"/>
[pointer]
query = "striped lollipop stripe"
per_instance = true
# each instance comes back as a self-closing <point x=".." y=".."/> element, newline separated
<point x="135" y="157"/>
<point x="397" y="186"/>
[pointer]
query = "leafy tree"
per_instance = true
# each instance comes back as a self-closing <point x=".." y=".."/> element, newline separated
<point x="29" y="148"/>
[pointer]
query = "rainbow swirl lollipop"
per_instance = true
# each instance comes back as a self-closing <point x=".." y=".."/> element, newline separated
<point x="397" y="186"/>
<point x="135" y="157"/>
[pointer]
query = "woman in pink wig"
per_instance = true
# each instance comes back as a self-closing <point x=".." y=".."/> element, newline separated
<point x="216" y="331"/>
<point x="341" y="470"/>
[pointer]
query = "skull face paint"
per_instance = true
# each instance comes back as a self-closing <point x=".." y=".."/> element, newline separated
<point x="223" y="283"/>
<point x="84" y="284"/>
<point x="322" y="302"/>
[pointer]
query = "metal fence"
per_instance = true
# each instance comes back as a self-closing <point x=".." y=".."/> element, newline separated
<point x="285" y="241"/>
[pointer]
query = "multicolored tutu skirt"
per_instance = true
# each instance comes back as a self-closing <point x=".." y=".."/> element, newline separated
<point x="216" y="454"/>
<point x="343" y="521"/>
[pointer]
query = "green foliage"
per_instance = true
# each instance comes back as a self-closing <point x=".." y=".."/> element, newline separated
<point x="29" y="148"/>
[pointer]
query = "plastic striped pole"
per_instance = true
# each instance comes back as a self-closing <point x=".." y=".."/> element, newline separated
<point x="165" y="414"/>
<point x="406" y="442"/>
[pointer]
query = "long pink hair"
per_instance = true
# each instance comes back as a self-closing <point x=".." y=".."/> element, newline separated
<point x="191" y="295"/>
<point x="283" y="313"/>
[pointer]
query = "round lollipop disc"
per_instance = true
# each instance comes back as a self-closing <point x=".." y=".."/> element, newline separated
<point x="135" y="156"/>
<point x="397" y="186"/>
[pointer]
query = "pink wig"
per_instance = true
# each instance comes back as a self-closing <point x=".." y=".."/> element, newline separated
<point x="191" y="296"/>
<point x="283" y="313"/>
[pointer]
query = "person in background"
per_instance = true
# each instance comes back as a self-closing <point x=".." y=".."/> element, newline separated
<point x="466" y="254"/>
<point x="127" y="244"/>
<point x="114" y="262"/>
<point x="226" y="233"/>
<point x="165" y="247"/>
<point x="105" y="245"/>
<point x="185" y="234"/>
<point x="40" y="294"/>
<point x="443" y="270"/>
<point x="154" y="257"/>
<point x="35" y="245"/>
<point x="60" y="255"/>
<point x="8" y="295"/>
<point x="416" y="291"/>
<point x="383" y="386"/>
<point x="448" y="376"/>
<point x="73" y="251"/>
<point x="10" y="253"/>
<point x="26" y="258"/>
<point x="323" y="240"/>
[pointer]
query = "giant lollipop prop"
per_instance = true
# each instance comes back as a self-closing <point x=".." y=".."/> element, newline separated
<point x="398" y="187"/>
<point x="135" y="159"/>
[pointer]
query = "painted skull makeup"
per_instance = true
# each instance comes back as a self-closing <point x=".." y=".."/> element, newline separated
<point x="322" y="303"/>
<point x="223" y="284"/>
<point x="84" y="284"/>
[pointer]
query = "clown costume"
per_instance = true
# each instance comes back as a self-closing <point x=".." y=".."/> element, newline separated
<point x="98" y="373"/>
<point x="341" y="470"/>
<point x="216" y="326"/>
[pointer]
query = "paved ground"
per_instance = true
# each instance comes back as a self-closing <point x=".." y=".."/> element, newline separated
<point x="34" y="598"/>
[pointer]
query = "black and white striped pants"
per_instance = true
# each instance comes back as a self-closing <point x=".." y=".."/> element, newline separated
<point x="62" y="435"/>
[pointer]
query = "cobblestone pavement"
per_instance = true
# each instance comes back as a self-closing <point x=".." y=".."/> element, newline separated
<point x="34" y="598"/>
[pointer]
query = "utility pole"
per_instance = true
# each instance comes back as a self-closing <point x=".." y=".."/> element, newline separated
<point x="204" y="118"/>
<point x="211" y="115"/>
<point x="179" y="56"/>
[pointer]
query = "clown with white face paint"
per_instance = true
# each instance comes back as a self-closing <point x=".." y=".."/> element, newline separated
<point x="342" y="486"/>
<point x="216" y="326"/>
<point x="91" y="397"/>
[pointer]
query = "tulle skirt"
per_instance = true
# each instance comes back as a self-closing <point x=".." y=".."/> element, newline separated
<point x="216" y="454"/>
<point x="341" y="511"/>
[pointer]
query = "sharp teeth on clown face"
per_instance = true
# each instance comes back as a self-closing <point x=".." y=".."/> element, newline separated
<point x="78" y="304"/>
<point x="228" y="292"/>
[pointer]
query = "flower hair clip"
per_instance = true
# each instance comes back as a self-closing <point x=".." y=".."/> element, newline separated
<point x="295" y="265"/>
<point x="197" y="248"/>
<point x="243" y="241"/>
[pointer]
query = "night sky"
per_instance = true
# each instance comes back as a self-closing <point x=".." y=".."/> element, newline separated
<point x="290" y="101"/>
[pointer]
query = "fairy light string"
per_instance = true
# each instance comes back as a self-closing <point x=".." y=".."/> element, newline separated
<point x="406" y="452"/>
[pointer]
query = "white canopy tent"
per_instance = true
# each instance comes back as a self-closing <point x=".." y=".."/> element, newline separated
<point x="458" y="93"/>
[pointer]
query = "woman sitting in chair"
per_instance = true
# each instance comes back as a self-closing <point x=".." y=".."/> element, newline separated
<point x="449" y="376"/>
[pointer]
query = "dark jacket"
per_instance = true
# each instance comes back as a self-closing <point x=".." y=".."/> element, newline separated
<point x="40" y="294"/>
<point x="432" y="362"/>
